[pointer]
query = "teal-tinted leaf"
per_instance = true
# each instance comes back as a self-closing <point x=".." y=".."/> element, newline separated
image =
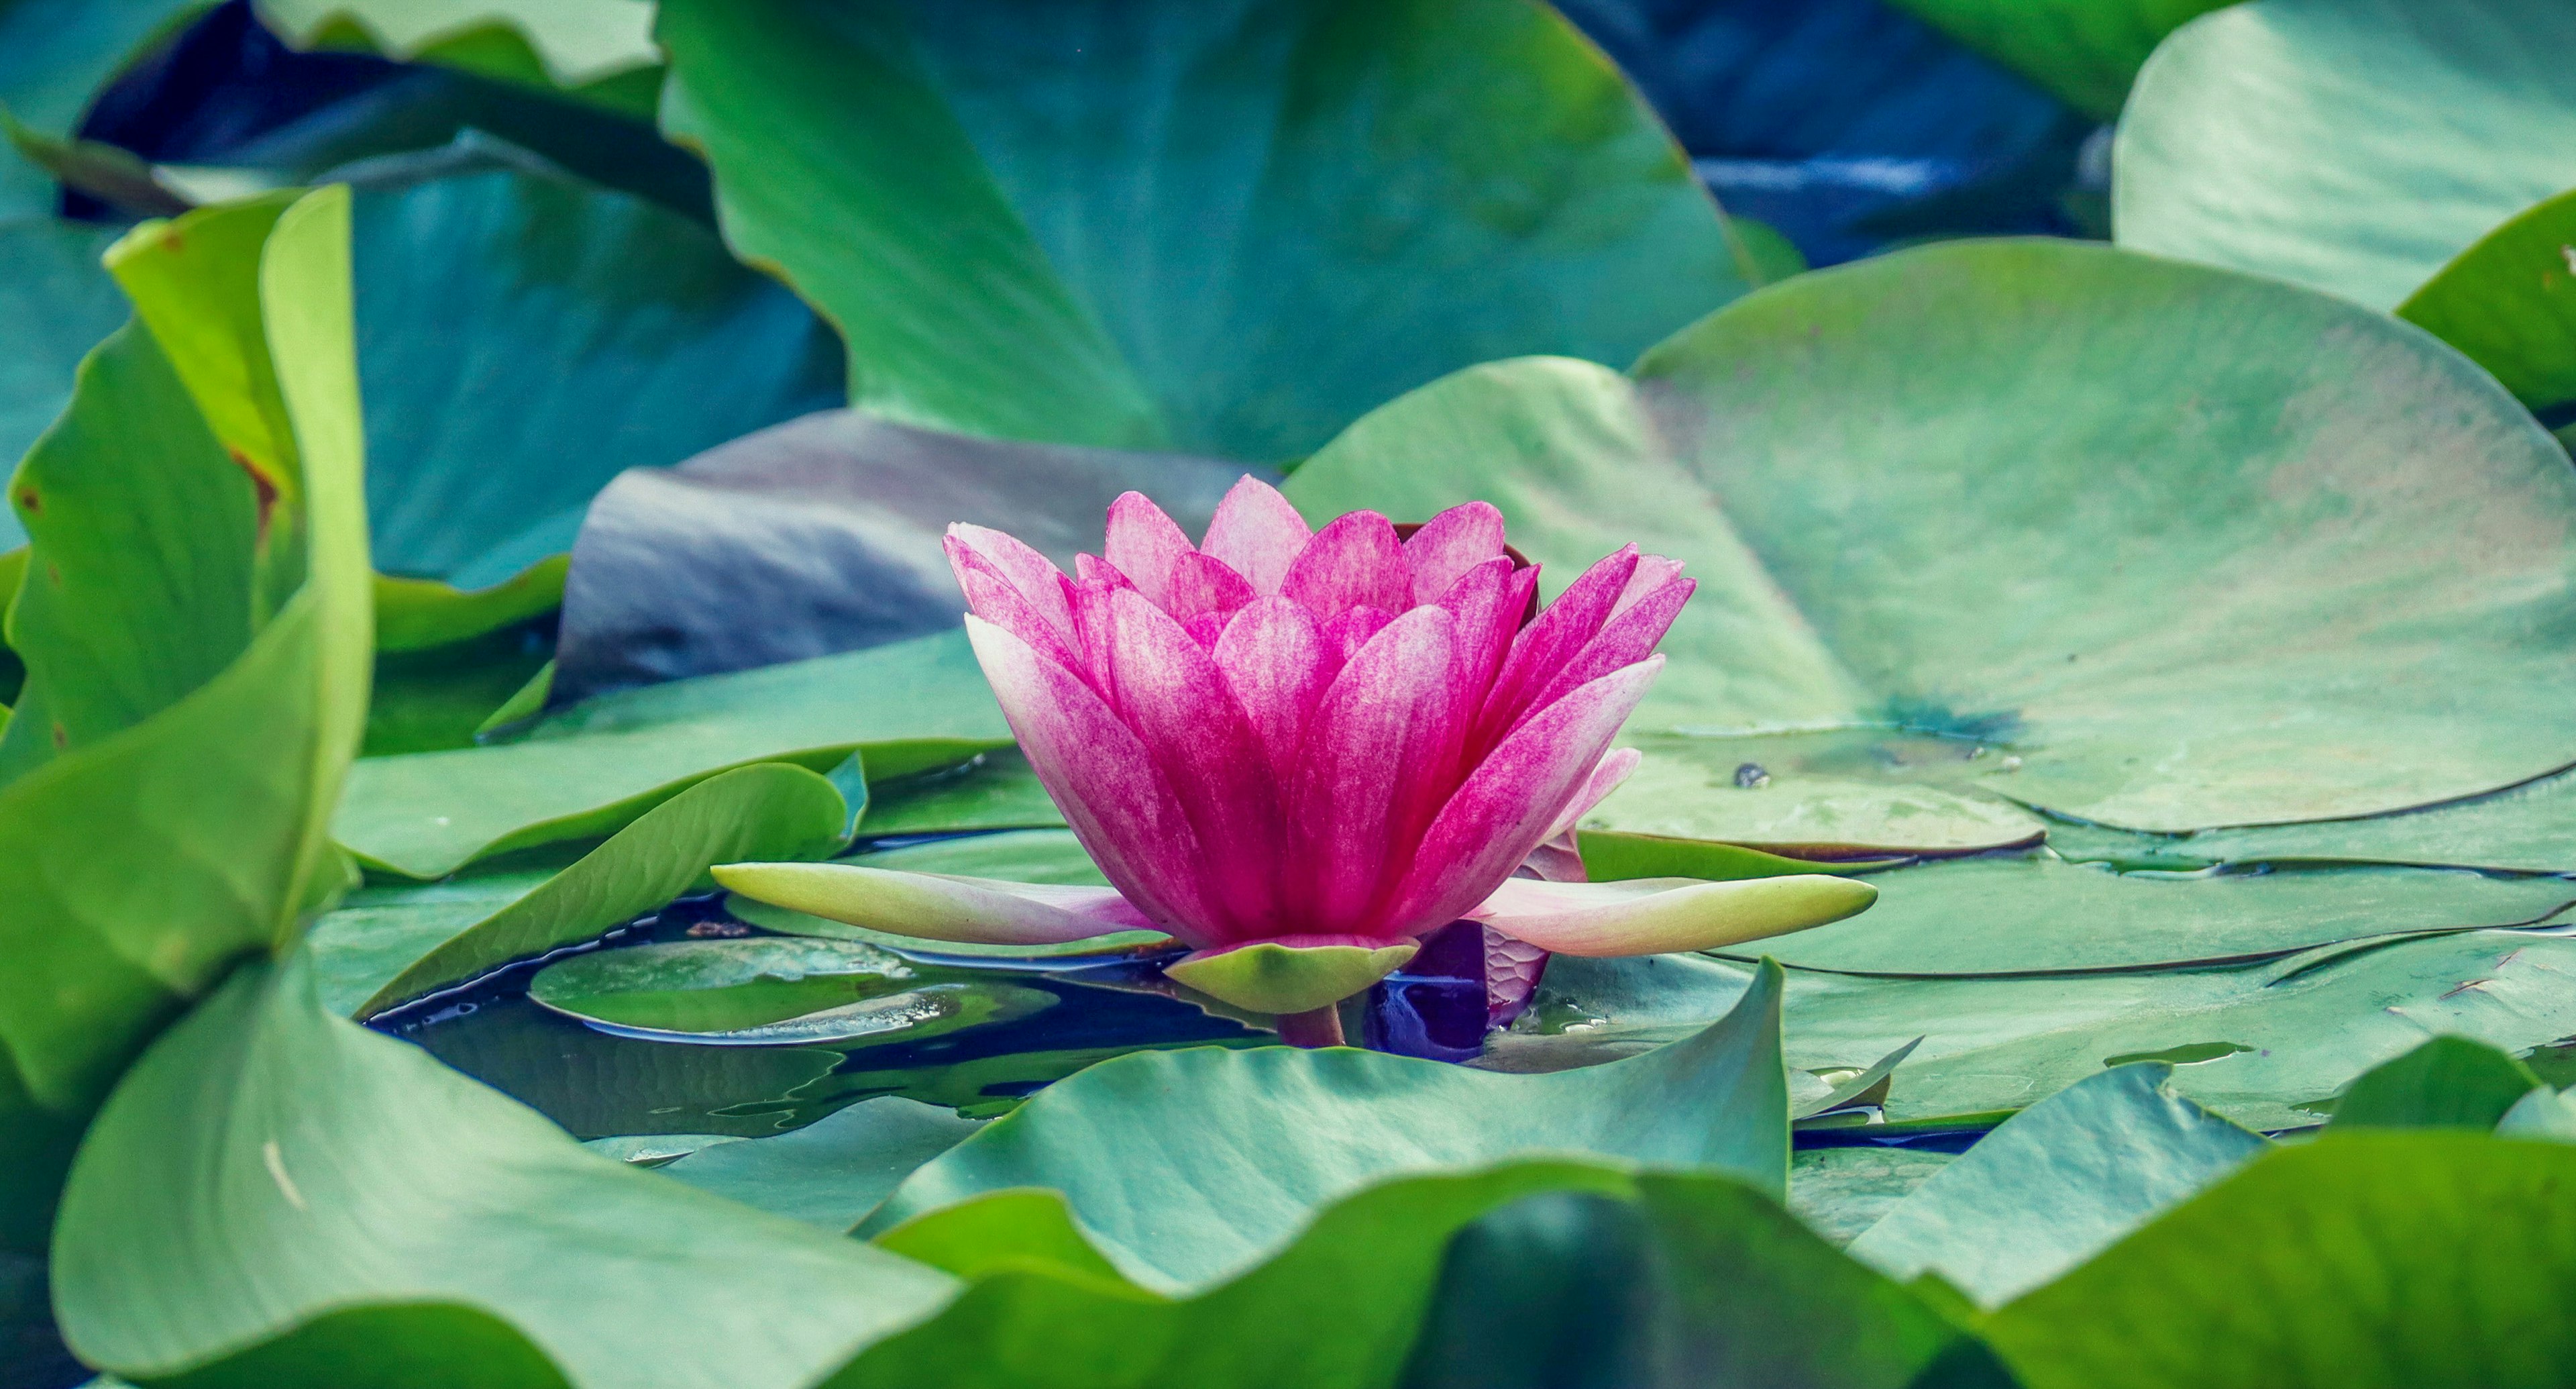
<point x="55" y="55"/>
<point x="593" y="768"/>
<point x="141" y="865"/>
<point x="1693" y="1280"/>
<point x="763" y="811"/>
<point x="2057" y="1183"/>
<point x="524" y="337"/>
<point x="2361" y="1261"/>
<point x="59" y="304"/>
<point x="2273" y="1053"/>
<point x="2164" y="668"/>
<point x="2354" y="146"/>
<point x="995" y="791"/>
<point x="2447" y="1083"/>
<point x="277" y="1195"/>
<point x="2086" y="51"/>
<point x="2026" y="915"/>
<point x="1223" y="228"/>
<point x="773" y="991"/>
<point x="1328" y="1123"/>
<point x="833" y="1172"/>
<point x="2509" y="301"/>
<point x="2541" y="1114"/>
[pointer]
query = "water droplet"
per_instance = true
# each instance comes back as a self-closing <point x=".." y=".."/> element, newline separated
<point x="1751" y="777"/>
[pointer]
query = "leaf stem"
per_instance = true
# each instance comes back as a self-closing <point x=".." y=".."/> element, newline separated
<point x="1321" y="1027"/>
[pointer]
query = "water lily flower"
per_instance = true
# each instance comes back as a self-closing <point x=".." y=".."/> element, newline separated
<point x="1296" y="752"/>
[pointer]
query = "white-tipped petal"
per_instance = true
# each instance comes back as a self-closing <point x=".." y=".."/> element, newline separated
<point x="1654" y="916"/>
<point x="937" y="906"/>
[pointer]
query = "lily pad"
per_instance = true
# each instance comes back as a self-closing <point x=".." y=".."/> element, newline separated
<point x="351" y="1192"/>
<point x="387" y="945"/>
<point x="993" y="791"/>
<point x="2086" y="51"/>
<point x="569" y="44"/>
<point x="2056" y="1184"/>
<point x="1363" y="199"/>
<point x="830" y="528"/>
<point x="2261" y="1280"/>
<point x="834" y="1171"/>
<point x="1840" y="1192"/>
<point x="1327" y="1123"/>
<point x="631" y="339"/>
<point x="772" y="991"/>
<point x="591" y="769"/>
<point x="1825" y="795"/>
<point x="2529" y="828"/>
<point x="2282" y="619"/>
<point x="2353" y="146"/>
<point x="147" y="860"/>
<point x="59" y="304"/>
<point x="2449" y="1082"/>
<point x="2039" y="915"/>
<point x="2509" y="301"/>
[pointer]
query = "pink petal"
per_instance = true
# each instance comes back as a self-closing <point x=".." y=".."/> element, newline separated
<point x="1487" y="601"/>
<point x="1272" y="657"/>
<point x="1175" y="698"/>
<point x="936" y="906"/>
<point x="1144" y="544"/>
<point x="1091" y="571"/>
<point x="994" y="599"/>
<point x="1096" y="769"/>
<point x="1612" y="769"/>
<point x="1629" y="638"/>
<point x="1033" y="574"/>
<point x="1506" y="806"/>
<point x="1388" y="713"/>
<point x="1354" y="562"/>
<point x="1544" y="647"/>
<point x="1450" y="544"/>
<point x="1653" y="916"/>
<point x="1201" y="584"/>
<point x="1653" y="572"/>
<point x="1257" y="533"/>
<point x="1346" y="634"/>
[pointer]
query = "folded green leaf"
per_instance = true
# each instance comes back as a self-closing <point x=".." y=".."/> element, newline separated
<point x="2447" y="1083"/>
<point x="2509" y="301"/>
<point x="60" y="304"/>
<point x="2086" y="51"/>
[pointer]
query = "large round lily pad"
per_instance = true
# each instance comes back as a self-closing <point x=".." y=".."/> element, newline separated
<point x="2350" y="145"/>
<point x="772" y="991"/>
<point x="2181" y="547"/>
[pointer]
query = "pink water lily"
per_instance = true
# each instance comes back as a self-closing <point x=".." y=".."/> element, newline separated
<point x="1297" y="751"/>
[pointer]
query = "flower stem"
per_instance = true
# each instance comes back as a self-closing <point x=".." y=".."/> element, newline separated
<point x="1319" y="1028"/>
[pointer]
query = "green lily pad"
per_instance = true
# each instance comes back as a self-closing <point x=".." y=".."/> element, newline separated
<point x="1611" y="856"/>
<point x="834" y="1171"/>
<point x="437" y="699"/>
<point x="558" y="44"/>
<point x="2086" y="51"/>
<point x="355" y="1202"/>
<point x="55" y="56"/>
<point x="2282" y="619"/>
<point x="388" y="944"/>
<point x="2529" y="828"/>
<point x="2449" y="1082"/>
<point x="2509" y="301"/>
<point x="2353" y="146"/>
<point x="772" y="991"/>
<point x="2260" y="1281"/>
<point x="633" y="338"/>
<point x="1365" y="198"/>
<point x="1831" y="795"/>
<point x="994" y="791"/>
<point x="146" y="860"/>
<point x="2039" y="914"/>
<point x="588" y="770"/>
<point x="1840" y="1192"/>
<point x="2056" y="1184"/>
<point x="1328" y="1123"/>
<point x="59" y="304"/>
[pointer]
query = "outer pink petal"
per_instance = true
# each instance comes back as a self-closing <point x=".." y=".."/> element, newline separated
<point x="1487" y="601"/>
<point x="1202" y="585"/>
<point x="1651" y="916"/>
<point x="1450" y="544"/>
<point x="1345" y="634"/>
<point x="936" y="906"/>
<point x="1033" y="574"/>
<point x="1653" y="572"/>
<point x="1544" y="647"/>
<point x="1144" y="544"/>
<point x="1273" y="660"/>
<point x="1506" y="806"/>
<point x="1257" y="533"/>
<point x="1176" y="699"/>
<point x="1390" y="711"/>
<point x="1612" y="769"/>
<point x="1113" y="796"/>
<point x="1629" y="638"/>
<point x="994" y="599"/>
<point x="1354" y="562"/>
